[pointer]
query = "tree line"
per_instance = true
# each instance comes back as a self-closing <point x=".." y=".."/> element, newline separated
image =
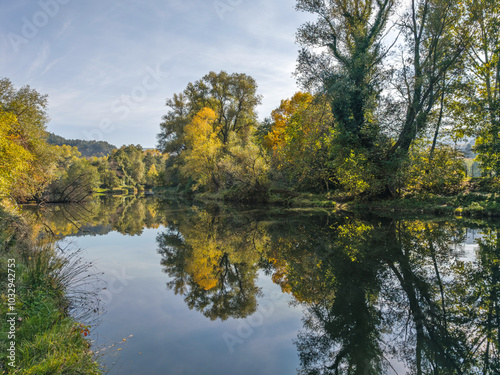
<point x="377" y="116"/>
<point x="86" y="148"/>
<point x="32" y="169"/>
<point x="386" y="91"/>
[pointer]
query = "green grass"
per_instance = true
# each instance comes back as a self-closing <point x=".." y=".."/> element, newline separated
<point x="48" y="340"/>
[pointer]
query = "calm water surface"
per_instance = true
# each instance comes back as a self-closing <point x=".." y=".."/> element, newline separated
<point x="213" y="289"/>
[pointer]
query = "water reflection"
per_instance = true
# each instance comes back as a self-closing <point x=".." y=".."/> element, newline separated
<point x="213" y="260"/>
<point x="379" y="294"/>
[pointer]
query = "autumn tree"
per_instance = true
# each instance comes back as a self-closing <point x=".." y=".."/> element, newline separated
<point x="27" y="160"/>
<point x="14" y="158"/>
<point x="209" y="133"/>
<point x="215" y="165"/>
<point x="299" y="140"/>
<point x="232" y="97"/>
<point x="203" y="149"/>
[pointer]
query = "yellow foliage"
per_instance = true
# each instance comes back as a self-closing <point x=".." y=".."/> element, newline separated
<point x="203" y="147"/>
<point x="14" y="158"/>
<point x="204" y="265"/>
<point x="282" y="115"/>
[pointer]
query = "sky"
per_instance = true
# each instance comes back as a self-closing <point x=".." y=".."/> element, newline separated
<point x="108" y="66"/>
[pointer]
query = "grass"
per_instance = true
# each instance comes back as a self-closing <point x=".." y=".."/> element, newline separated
<point x="47" y="339"/>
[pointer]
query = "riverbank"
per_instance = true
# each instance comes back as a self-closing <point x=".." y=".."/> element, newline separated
<point x="38" y="336"/>
<point x="478" y="198"/>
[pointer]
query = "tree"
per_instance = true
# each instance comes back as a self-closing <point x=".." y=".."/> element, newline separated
<point x="152" y="175"/>
<point x="299" y="141"/>
<point x="232" y="97"/>
<point x="476" y="105"/>
<point x="215" y="165"/>
<point x="349" y="70"/>
<point x="76" y="178"/>
<point x="128" y="164"/>
<point x="14" y="158"/>
<point x="210" y="135"/>
<point x="23" y="119"/>
<point x="434" y="51"/>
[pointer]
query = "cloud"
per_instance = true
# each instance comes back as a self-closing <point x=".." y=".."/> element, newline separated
<point x="41" y="58"/>
<point x="94" y="53"/>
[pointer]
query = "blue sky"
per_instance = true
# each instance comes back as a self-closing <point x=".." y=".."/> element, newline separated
<point x="109" y="65"/>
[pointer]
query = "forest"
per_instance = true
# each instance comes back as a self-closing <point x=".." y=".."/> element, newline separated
<point x="373" y="120"/>
<point x="390" y="92"/>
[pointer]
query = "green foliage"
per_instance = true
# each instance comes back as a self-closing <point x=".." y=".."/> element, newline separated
<point x="475" y="104"/>
<point x="77" y="181"/>
<point x="344" y="56"/>
<point x="128" y="163"/>
<point x="356" y="172"/>
<point x="349" y="71"/>
<point x="443" y="174"/>
<point x="245" y="170"/>
<point x="26" y="160"/>
<point x="299" y="140"/>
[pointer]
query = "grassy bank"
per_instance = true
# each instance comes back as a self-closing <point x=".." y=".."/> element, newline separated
<point x="35" y="280"/>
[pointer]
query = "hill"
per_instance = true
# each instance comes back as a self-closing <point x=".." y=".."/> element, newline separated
<point x="87" y="148"/>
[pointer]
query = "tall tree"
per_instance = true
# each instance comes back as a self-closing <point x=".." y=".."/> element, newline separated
<point x="233" y="98"/>
<point x="433" y="50"/>
<point x="351" y="34"/>
<point x="477" y="103"/>
<point x="299" y="140"/>
<point x="351" y="70"/>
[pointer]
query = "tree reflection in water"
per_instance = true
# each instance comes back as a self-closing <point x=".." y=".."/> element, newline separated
<point x="376" y="291"/>
<point x="395" y="288"/>
<point x="213" y="261"/>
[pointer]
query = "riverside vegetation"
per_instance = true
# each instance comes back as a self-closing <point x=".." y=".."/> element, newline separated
<point x="369" y="127"/>
<point x="375" y="126"/>
<point x="49" y="284"/>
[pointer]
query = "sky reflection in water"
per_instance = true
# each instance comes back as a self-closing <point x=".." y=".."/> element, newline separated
<point x="205" y="290"/>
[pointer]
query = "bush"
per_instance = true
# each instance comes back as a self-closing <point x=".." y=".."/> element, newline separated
<point x="443" y="174"/>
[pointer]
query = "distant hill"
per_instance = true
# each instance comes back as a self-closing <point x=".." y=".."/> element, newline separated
<point x="86" y="148"/>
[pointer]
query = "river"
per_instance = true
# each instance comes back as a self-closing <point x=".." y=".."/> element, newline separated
<point x="190" y="288"/>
